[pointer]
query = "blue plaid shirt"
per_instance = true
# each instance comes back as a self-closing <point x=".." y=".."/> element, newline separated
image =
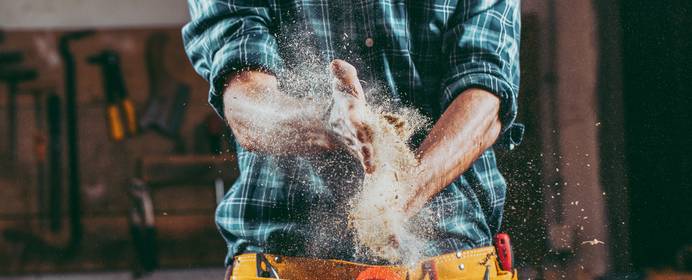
<point x="425" y="52"/>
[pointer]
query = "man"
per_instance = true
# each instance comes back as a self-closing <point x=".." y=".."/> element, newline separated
<point x="455" y="61"/>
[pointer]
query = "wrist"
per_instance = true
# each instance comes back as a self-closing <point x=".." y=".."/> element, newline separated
<point x="416" y="184"/>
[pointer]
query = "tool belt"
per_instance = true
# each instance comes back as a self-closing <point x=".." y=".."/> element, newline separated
<point x="480" y="263"/>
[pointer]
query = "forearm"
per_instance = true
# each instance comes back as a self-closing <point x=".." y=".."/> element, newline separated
<point x="263" y="119"/>
<point x="469" y="126"/>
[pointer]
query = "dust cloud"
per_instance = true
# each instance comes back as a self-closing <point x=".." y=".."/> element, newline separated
<point x="375" y="217"/>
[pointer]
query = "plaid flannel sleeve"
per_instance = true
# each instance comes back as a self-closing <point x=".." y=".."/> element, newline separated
<point x="228" y="36"/>
<point x="482" y="47"/>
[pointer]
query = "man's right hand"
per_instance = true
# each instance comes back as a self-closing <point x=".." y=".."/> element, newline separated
<point x="347" y="118"/>
<point x="263" y="119"/>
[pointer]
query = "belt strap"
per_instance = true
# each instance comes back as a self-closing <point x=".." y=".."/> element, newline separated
<point x="477" y="263"/>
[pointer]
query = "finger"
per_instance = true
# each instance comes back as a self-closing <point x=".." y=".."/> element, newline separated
<point x="364" y="134"/>
<point x="362" y="152"/>
<point x="341" y="128"/>
<point x="393" y="241"/>
<point x="347" y="135"/>
<point x="346" y="78"/>
<point x="367" y="159"/>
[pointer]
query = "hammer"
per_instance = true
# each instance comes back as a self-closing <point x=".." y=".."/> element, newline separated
<point x="13" y="76"/>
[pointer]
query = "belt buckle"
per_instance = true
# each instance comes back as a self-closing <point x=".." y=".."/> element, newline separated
<point x="429" y="269"/>
<point x="270" y="272"/>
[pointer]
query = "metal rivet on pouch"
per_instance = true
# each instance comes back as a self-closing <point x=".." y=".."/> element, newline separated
<point x="461" y="266"/>
<point x="277" y="259"/>
<point x="458" y="254"/>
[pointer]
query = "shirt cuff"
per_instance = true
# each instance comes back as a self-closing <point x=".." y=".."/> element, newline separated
<point x="511" y="133"/>
<point x="234" y="58"/>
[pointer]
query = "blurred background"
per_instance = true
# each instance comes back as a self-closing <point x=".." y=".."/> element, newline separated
<point x="111" y="161"/>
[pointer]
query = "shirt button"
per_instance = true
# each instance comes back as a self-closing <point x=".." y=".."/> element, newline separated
<point x="369" y="42"/>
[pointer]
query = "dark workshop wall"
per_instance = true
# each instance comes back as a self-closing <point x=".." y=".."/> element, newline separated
<point x="184" y="215"/>
<point x="70" y="14"/>
<point x="522" y="166"/>
<point x="657" y="44"/>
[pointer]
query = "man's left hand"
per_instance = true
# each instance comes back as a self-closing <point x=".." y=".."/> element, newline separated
<point x="347" y="117"/>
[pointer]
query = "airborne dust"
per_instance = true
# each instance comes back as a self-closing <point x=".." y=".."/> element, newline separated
<point x="375" y="217"/>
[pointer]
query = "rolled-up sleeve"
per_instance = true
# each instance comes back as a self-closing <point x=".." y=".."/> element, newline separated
<point x="481" y="44"/>
<point x="228" y="36"/>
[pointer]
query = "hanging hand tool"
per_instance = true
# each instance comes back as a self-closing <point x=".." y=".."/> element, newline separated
<point x="40" y="151"/>
<point x="142" y="227"/>
<point x="74" y="187"/>
<point x="120" y="111"/>
<point x="168" y="97"/>
<point x="13" y="76"/>
<point x="54" y="119"/>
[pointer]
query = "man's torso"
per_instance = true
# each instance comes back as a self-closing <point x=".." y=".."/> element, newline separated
<point x="290" y="206"/>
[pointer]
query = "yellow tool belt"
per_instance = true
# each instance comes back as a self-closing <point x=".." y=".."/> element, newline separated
<point x="479" y="263"/>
